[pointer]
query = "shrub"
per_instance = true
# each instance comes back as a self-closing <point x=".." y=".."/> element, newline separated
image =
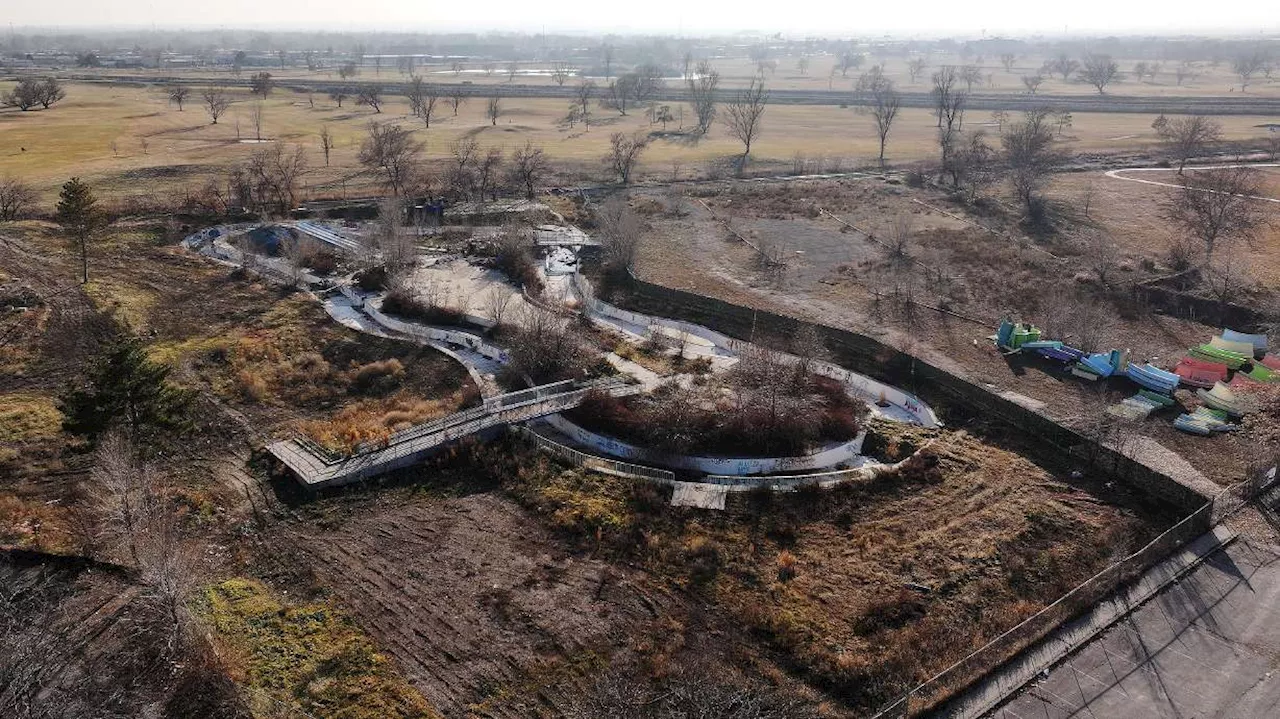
<point x="890" y="612"/>
<point x="786" y="566"/>
<point x="378" y="376"/>
<point x="324" y="262"/>
<point x="514" y="258"/>
<point x="703" y="557"/>
<point x="373" y="279"/>
<point x="402" y="303"/>
<point x="252" y="387"/>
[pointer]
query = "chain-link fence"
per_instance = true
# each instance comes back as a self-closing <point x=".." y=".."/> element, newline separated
<point x="934" y="691"/>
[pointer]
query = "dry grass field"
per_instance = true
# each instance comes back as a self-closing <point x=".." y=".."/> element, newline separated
<point x="838" y="277"/>
<point x="99" y="132"/>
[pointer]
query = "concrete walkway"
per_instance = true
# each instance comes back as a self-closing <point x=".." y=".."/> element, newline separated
<point x="1207" y="646"/>
<point x="989" y="692"/>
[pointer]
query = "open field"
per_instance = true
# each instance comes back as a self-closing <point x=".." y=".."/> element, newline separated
<point x="837" y="276"/>
<point x="99" y="131"/>
<point x="822" y="74"/>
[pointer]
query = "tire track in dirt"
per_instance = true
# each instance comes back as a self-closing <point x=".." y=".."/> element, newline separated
<point x="471" y="597"/>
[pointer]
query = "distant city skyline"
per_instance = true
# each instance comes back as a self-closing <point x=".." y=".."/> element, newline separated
<point x="819" y="18"/>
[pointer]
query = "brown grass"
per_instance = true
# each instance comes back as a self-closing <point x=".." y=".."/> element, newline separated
<point x="822" y="579"/>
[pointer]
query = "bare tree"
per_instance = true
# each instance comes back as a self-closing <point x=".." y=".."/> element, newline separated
<point x="948" y="107"/>
<point x="256" y="116"/>
<point x="898" y="235"/>
<point x="16" y="199"/>
<point x="1248" y="65"/>
<point x="617" y="92"/>
<point x="276" y="170"/>
<point x="489" y="173"/>
<point x="391" y="150"/>
<point x="743" y="115"/>
<point x="1062" y="65"/>
<point x="1218" y="205"/>
<point x="528" y="166"/>
<point x="1225" y="278"/>
<point x="1032" y="82"/>
<point x="1100" y="70"/>
<point x="414" y="94"/>
<point x="260" y="84"/>
<point x="1030" y="158"/>
<point x="461" y="176"/>
<point x="428" y="104"/>
<point x="496" y="302"/>
<point x="1187" y="137"/>
<point x="1101" y="253"/>
<point x="1007" y="60"/>
<point x="394" y="244"/>
<point x="974" y="164"/>
<point x="970" y="74"/>
<point x="560" y="73"/>
<point x="916" y="68"/>
<point x="624" y="154"/>
<point x="582" y="96"/>
<point x="122" y="491"/>
<point x="1183" y="73"/>
<point x="179" y="94"/>
<point x="457" y="97"/>
<point x="702" y="95"/>
<point x="338" y="94"/>
<point x="48" y="91"/>
<point x="493" y="110"/>
<point x="885" y="102"/>
<point x="296" y="252"/>
<point x="370" y="95"/>
<point x="620" y="232"/>
<point x="513" y="69"/>
<point x="326" y="143"/>
<point x="216" y="102"/>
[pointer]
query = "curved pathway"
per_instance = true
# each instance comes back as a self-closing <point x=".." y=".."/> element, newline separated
<point x="1116" y="175"/>
<point x="362" y="313"/>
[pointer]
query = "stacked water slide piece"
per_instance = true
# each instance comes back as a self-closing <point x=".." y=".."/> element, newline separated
<point x="1204" y="421"/>
<point x="1012" y="338"/>
<point x="1141" y="405"/>
<point x="1231" y="354"/>
<point x="1153" y="378"/>
<point x="1100" y="365"/>
<point x="1196" y="372"/>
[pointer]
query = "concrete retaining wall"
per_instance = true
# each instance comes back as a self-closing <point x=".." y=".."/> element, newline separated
<point x="869" y="388"/>
<point x="883" y="363"/>
<point x="848" y="453"/>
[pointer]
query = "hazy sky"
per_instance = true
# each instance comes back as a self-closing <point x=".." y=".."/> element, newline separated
<point x="825" y="17"/>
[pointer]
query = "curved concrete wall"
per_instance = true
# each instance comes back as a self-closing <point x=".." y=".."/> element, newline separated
<point x="848" y="453"/>
<point x="868" y="388"/>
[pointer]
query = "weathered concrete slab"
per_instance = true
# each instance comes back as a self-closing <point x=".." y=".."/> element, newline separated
<point x="699" y="495"/>
<point x="1206" y="646"/>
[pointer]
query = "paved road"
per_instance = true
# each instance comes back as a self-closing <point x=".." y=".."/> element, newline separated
<point x="1208" y="646"/>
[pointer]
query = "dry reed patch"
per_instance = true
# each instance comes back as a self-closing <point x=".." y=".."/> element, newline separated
<point x="373" y="421"/>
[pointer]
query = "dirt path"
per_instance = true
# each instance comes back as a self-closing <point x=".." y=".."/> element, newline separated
<point x="1116" y="175"/>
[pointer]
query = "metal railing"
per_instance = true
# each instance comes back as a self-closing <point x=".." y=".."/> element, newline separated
<point x="941" y="686"/>
<point x="592" y="462"/>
